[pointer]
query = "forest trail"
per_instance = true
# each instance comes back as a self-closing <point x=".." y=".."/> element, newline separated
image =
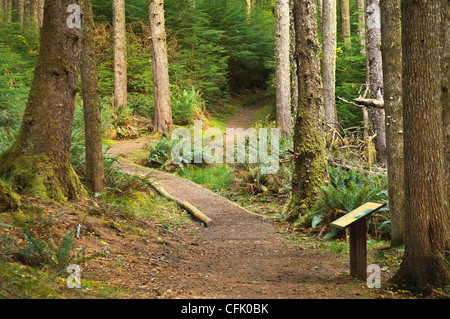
<point x="242" y="255"/>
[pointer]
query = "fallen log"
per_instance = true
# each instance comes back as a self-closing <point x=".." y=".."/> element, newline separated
<point x="185" y="205"/>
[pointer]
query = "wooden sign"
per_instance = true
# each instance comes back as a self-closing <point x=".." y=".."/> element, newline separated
<point x="357" y="221"/>
<point x="355" y="215"/>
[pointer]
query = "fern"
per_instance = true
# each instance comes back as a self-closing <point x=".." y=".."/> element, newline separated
<point x="347" y="191"/>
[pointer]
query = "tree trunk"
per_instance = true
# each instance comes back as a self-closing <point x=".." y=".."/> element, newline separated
<point x="309" y="142"/>
<point x="391" y="48"/>
<point x="39" y="160"/>
<point x="249" y="8"/>
<point x="20" y="12"/>
<point x="375" y="75"/>
<point x="163" y="107"/>
<point x="8" y="8"/>
<point x="294" y="93"/>
<point x="344" y="7"/>
<point x="329" y="61"/>
<point x="361" y="24"/>
<point x="95" y="176"/>
<point x="41" y="5"/>
<point x="427" y="222"/>
<point x="282" y="73"/>
<point x="445" y="96"/>
<point x="34" y="13"/>
<point x="120" y="55"/>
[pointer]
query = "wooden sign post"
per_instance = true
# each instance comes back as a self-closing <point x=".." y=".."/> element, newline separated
<point x="357" y="220"/>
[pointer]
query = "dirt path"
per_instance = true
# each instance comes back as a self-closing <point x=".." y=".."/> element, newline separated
<point x="243" y="256"/>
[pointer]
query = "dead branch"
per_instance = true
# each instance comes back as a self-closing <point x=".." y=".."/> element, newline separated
<point x="370" y="102"/>
<point x="364" y="102"/>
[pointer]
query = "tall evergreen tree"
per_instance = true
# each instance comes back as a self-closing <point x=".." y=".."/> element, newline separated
<point x="375" y="75"/>
<point x="282" y="72"/>
<point x="309" y="143"/>
<point x="39" y="158"/>
<point x="163" y="107"/>
<point x="391" y="49"/>
<point x="329" y="60"/>
<point x="120" y="54"/>
<point x="95" y="176"/>
<point x="344" y="10"/>
<point x="445" y="96"/>
<point x="427" y="219"/>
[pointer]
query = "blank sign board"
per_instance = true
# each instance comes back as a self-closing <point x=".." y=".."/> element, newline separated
<point x="357" y="214"/>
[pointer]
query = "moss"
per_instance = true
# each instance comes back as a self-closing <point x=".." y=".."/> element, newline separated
<point x="9" y="200"/>
<point x="41" y="176"/>
<point x="310" y="169"/>
<point x="17" y="281"/>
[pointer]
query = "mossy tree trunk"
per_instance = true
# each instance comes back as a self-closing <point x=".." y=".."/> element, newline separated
<point x="309" y="142"/>
<point x="427" y="218"/>
<point x="391" y="47"/>
<point x="95" y="176"/>
<point x="40" y="157"/>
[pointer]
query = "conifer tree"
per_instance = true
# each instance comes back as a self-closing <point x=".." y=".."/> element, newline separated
<point x="163" y="107"/>
<point x="282" y="73"/>
<point x="120" y="54"/>
<point x="309" y="143"/>
<point x="39" y="159"/>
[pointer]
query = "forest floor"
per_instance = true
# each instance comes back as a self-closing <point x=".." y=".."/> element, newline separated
<point x="243" y="255"/>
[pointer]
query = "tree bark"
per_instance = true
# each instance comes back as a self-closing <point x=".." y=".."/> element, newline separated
<point x="329" y="61"/>
<point x="41" y="5"/>
<point x="163" y="107"/>
<point x="39" y="160"/>
<point x="120" y="54"/>
<point x="345" y="20"/>
<point x="375" y="75"/>
<point x="34" y="12"/>
<point x="282" y="73"/>
<point x="20" y="12"/>
<point x="294" y="92"/>
<point x="309" y="142"/>
<point x="391" y="48"/>
<point x="8" y="8"/>
<point x="95" y="176"/>
<point x="361" y="6"/>
<point x="445" y="96"/>
<point x="427" y="222"/>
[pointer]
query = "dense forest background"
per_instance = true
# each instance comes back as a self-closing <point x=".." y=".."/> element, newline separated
<point x="214" y="51"/>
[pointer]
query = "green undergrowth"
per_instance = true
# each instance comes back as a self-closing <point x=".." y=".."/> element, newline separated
<point x="41" y="238"/>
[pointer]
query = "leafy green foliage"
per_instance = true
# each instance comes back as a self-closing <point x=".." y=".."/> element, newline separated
<point x="347" y="191"/>
<point x="42" y="250"/>
<point x="350" y="77"/>
<point x="18" y="51"/>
